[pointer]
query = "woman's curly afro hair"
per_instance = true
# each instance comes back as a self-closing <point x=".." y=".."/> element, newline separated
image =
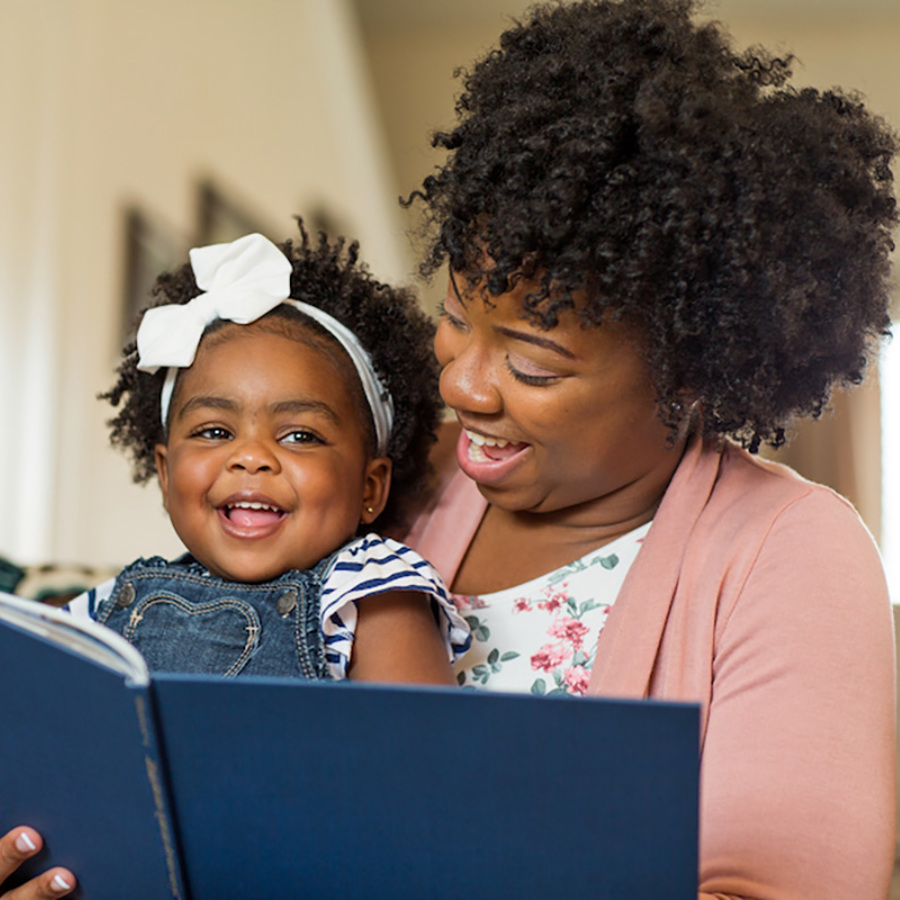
<point x="388" y="323"/>
<point x="741" y="225"/>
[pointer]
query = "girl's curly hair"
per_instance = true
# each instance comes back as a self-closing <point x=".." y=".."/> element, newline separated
<point x="388" y="323"/>
<point x="741" y="225"/>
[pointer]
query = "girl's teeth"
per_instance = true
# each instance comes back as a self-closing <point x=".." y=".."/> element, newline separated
<point x="253" y="506"/>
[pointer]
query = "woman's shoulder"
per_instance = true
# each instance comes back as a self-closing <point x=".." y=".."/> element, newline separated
<point x="766" y="488"/>
<point x="757" y="512"/>
<point x="726" y="504"/>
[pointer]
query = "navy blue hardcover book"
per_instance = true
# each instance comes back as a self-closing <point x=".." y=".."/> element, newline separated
<point x="79" y="758"/>
<point x="283" y="788"/>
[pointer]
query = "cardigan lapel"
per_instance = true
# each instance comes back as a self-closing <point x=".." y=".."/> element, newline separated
<point x="630" y="641"/>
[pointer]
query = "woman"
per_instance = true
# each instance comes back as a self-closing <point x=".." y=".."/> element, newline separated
<point x="658" y="246"/>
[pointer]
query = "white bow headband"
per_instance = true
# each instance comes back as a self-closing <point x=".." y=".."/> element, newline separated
<point x="243" y="281"/>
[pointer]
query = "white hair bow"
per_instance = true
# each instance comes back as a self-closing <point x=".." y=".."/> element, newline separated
<point x="242" y="281"/>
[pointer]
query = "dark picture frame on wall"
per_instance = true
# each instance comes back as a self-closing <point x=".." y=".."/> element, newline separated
<point x="222" y="216"/>
<point x="151" y="247"/>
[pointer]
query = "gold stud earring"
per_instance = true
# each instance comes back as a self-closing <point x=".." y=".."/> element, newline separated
<point x="369" y="510"/>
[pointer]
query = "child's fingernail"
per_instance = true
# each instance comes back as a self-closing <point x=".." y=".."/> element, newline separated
<point x="24" y="844"/>
<point x="60" y="884"/>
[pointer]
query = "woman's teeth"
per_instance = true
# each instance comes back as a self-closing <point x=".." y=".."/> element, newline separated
<point x="488" y="449"/>
<point x="482" y="440"/>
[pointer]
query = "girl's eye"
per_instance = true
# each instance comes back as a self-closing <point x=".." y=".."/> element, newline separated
<point x="529" y="377"/>
<point x="301" y="437"/>
<point x="213" y="433"/>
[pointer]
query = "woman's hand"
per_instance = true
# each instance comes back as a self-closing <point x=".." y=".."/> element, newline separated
<point x="15" y="847"/>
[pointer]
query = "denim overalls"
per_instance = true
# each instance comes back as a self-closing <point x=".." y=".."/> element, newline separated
<point x="183" y="620"/>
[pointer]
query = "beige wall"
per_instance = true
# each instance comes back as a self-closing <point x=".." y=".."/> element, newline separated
<point x="106" y="103"/>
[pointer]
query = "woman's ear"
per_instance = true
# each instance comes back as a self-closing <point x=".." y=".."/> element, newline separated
<point x="160" y="454"/>
<point x="376" y="489"/>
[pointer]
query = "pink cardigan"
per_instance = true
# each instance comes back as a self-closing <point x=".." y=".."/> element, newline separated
<point x="761" y="596"/>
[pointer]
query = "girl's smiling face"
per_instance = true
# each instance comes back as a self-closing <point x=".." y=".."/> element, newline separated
<point x="553" y="420"/>
<point x="267" y="465"/>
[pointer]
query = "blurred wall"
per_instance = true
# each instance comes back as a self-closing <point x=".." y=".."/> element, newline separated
<point x="107" y="105"/>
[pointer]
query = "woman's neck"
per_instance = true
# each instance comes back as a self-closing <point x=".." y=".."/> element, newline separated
<point x="513" y="547"/>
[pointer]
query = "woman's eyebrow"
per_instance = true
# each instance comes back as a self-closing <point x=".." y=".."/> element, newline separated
<point x="536" y="339"/>
<point x="456" y="288"/>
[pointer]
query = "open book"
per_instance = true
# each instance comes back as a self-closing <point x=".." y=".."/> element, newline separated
<point x="205" y="788"/>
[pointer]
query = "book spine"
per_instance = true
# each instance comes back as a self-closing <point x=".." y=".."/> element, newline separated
<point x="155" y="775"/>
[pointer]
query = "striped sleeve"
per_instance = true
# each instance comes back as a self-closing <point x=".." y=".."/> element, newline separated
<point x="374" y="565"/>
<point x="84" y="606"/>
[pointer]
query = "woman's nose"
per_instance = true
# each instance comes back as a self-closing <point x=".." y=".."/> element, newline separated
<point x="253" y="454"/>
<point x="467" y="380"/>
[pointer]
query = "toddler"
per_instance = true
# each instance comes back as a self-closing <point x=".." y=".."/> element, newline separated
<point x="276" y="393"/>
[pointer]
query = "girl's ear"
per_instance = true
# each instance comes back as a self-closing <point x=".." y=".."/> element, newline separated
<point x="376" y="489"/>
<point x="162" y="471"/>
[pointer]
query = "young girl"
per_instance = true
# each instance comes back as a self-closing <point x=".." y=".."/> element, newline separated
<point x="276" y="395"/>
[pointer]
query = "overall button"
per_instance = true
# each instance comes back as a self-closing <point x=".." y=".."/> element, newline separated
<point x="126" y="596"/>
<point x="287" y="603"/>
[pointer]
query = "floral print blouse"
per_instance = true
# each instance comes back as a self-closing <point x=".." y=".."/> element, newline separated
<point x="541" y="636"/>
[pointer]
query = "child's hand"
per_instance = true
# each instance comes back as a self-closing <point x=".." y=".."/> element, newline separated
<point x="15" y="847"/>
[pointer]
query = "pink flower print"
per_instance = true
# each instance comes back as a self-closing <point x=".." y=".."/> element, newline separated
<point x="521" y="605"/>
<point x="577" y="679"/>
<point x="550" y="656"/>
<point x="569" y="629"/>
<point x="467" y="601"/>
<point x="555" y="600"/>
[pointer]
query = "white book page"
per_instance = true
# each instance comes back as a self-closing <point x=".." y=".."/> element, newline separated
<point x="89" y="639"/>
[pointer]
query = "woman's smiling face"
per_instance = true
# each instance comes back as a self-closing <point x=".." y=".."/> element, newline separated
<point x="552" y="419"/>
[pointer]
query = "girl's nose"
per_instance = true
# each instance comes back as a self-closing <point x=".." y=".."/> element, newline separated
<point x="253" y="455"/>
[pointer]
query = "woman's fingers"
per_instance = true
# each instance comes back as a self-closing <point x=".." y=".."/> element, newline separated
<point x="15" y="847"/>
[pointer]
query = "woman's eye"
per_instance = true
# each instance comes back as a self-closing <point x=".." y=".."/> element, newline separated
<point x="448" y="317"/>
<point x="530" y="377"/>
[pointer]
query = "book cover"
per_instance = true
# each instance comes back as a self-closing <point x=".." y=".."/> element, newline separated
<point x="79" y="757"/>
<point x="336" y="790"/>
